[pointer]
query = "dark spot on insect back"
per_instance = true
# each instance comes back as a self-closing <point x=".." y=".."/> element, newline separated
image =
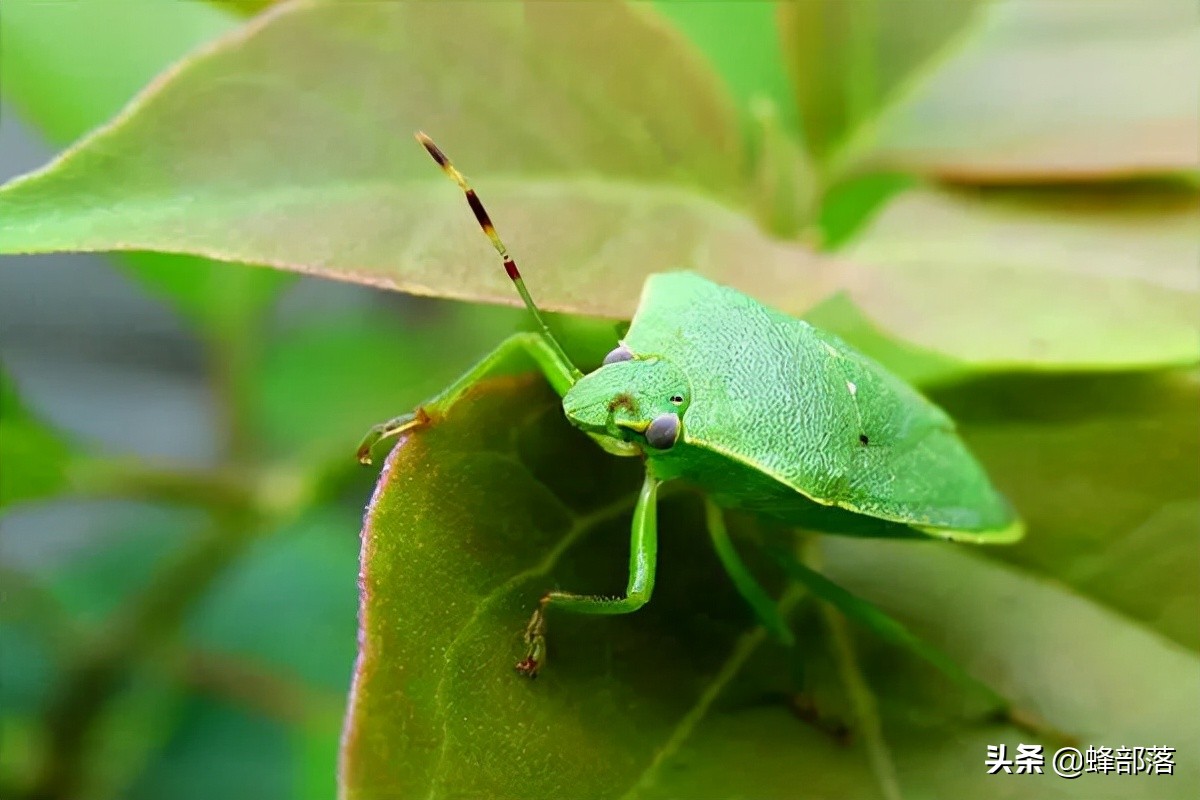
<point x="863" y="440"/>
<point x="624" y="401"/>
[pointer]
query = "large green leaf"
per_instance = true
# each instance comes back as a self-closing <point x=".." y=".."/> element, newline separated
<point x="1100" y="280"/>
<point x="1027" y="90"/>
<point x="594" y="172"/>
<point x="495" y="502"/>
<point x="307" y="163"/>
<point x="740" y="41"/>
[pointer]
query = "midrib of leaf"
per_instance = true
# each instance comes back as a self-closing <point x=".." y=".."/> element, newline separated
<point x="629" y="192"/>
<point x="580" y="526"/>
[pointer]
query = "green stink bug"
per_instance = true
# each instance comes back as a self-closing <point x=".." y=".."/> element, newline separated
<point x="758" y="410"/>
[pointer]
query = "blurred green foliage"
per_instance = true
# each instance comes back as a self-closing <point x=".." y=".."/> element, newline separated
<point x="989" y="212"/>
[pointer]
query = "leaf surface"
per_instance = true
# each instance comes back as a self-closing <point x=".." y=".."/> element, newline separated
<point x="1045" y="92"/>
<point x="330" y="181"/>
<point x="1096" y="280"/>
<point x="1104" y="471"/>
<point x="480" y="512"/>
<point x="114" y="49"/>
<point x="257" y="150"/>
<point x="847" y="57"/>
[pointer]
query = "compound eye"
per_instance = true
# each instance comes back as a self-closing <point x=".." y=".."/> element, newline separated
<point x="663" y="431"/>
<point x="621" y="353"/>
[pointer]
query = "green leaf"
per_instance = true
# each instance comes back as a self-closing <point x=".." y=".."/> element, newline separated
<point x="1110" y="681"/>
<point x="514" y="510"/>
<point x="195" y="763"/>
<point x="1042" y="91"/>
<point x="36" y="458"/>
<point x="211" y="294"/>
<point x="499" y="499"/>
<point x="741" y="42"/>
<point x="245" y="7"/>
<point x="785" y="183"/>
<point x="114" y="48"/>
<point x="1104" y="471"/>
<point x="1050" y="647"/>
<point x="308" y="164"/>
<point x="847" y="56"/>
<point x="1049" y="279"/>
<point x="254" y="612"/>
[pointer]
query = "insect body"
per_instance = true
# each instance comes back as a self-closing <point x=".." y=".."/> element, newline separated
<point x="759" y="410"/>
<point x="765" y="412"/>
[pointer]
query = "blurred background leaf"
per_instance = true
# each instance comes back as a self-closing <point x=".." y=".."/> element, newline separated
<point x="1097" y="279"/>
<point x="358" y="199"/>
<point x="1103" y="467"/>
<point x="44" y="455"/>
<point x="846" y="58"/>
<point x="1041" y="92"/>
<point x="70" y="66"/>
<point x="114" y="49"/>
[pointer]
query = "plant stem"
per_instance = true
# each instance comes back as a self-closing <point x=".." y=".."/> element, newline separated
<point x="249" y="685"/>
<point x="232" y="358"/>
<point x="128" y="478"/>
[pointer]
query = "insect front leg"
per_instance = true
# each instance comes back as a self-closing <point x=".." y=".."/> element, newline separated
<point x="643" y="552"/>
<point x="559" y="373"/>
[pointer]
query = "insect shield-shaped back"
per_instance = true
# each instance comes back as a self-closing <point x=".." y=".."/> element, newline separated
<point x="632" y="399"/>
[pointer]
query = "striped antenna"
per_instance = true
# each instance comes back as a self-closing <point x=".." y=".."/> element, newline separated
<point x="510" y="266"/>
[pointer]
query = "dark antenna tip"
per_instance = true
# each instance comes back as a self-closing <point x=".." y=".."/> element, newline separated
<point x="432" y="148"/>
<point x="510" y="266"/>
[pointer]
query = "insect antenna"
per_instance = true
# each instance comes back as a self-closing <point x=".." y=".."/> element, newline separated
<point x="510" y="266"/>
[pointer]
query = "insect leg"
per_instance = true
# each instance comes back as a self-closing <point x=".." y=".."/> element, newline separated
<point x="560" y="375"/>
<point x="751" y="590"/>
<point x="643" y="550"/>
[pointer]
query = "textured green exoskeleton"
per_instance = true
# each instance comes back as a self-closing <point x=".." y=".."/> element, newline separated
<point x="762" y="412"/>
